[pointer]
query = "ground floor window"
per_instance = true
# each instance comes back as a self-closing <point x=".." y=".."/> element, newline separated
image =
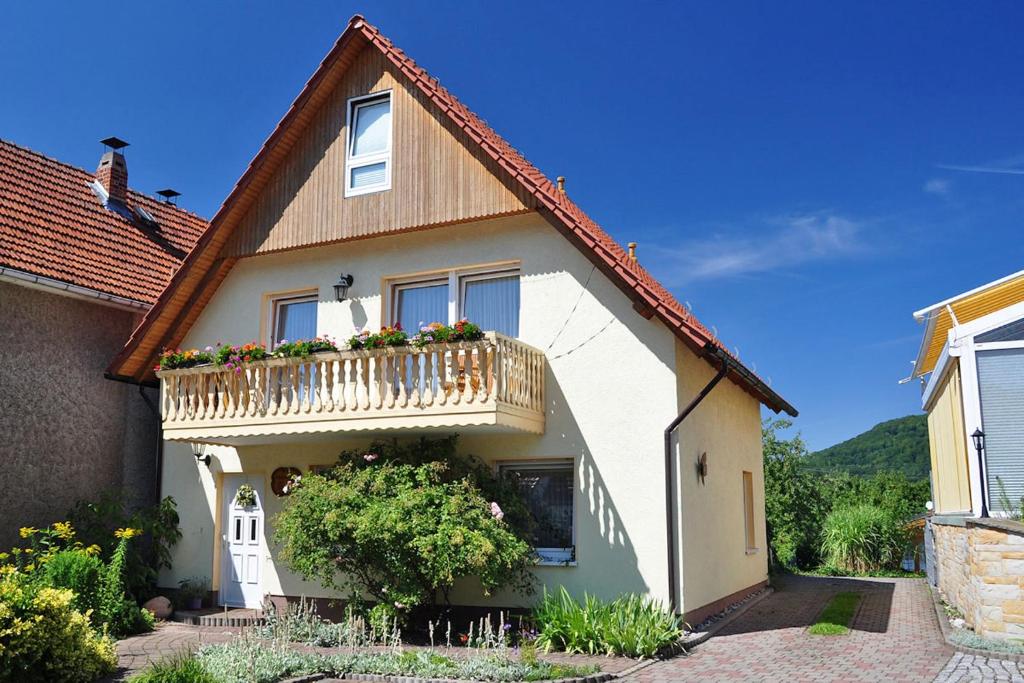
<point x="547" y="488"/>
<point x="748" y="510"/>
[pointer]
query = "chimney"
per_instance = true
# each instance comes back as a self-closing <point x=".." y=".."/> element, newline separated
<point x="561" y="184"/>
<point x="632" y="251"/>
<point x="112" y="172"/>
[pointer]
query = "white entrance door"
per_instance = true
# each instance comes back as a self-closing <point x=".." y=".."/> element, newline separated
<point x="242" y="556"/>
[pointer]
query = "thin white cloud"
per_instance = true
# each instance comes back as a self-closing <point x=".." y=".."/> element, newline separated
<point x="939" y="186"/>
<point x="780" y="244"/>
<point x="983" y="169"/>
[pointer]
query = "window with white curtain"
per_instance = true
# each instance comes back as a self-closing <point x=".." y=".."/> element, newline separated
<point x="293" y="318"/>
<point x="547" y="488"/>
<point x="368" y="154"/>
<point x="489" y="298"/>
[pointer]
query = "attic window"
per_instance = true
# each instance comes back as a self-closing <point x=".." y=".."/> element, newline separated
<point x="368" y="157"/>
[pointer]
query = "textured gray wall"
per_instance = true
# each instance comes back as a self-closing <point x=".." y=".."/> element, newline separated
<point x="66" y="433"/>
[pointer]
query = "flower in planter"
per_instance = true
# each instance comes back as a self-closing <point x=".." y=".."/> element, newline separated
<point x="496" y="511"/>
<point x="370" y="457"/>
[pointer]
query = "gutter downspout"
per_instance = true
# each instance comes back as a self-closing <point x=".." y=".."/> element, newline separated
<point x="159" y="425"/>
<point x="159" y="442"/>
<point x="673" y="600"/>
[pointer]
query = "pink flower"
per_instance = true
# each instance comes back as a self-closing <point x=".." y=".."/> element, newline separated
<point x="496" y="511"/>
<point x="370" y="457"/>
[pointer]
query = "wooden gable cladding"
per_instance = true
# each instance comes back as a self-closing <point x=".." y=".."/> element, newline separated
<point x="437" y="175"/>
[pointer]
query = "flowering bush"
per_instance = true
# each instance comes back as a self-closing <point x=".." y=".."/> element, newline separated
<point x="438" y="333"/>
<point x="403" y="522"/>
<point x="55" y="559"/>
<point x="303" y="347"/>
<point x="172" y="359"/>
<point x="388" y="336"/>
<point x="43" y="638"/>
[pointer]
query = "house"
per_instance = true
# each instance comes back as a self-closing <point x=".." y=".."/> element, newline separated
<point x="380" y="198"/>
<point x="82" y="258"/>
<point x="971" y="363"/>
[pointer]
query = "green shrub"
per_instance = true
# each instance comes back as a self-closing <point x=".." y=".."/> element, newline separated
<point x="630" y="625"/>
<point x="182" y="667"/>
<point x="97" y="521"/>
<point x="402" y="523"/>
<point x="862" y="539"/>
<point x="43" y="638"/>
<point x="118" y="612"/>
<point x="79" y="572"/>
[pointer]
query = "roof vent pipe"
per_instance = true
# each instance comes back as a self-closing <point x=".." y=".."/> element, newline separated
<point x="632" y="251"/>
<point x="561" y="184"/>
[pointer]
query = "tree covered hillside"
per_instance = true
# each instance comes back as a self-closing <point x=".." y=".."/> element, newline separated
<point x="900" y="444"/>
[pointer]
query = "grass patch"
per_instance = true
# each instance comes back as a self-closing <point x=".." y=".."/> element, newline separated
<point x="835" y="619"/>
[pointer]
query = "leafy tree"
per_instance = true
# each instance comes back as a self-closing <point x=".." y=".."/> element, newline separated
<point x="793" y="507"/>
<point x="403" y="522"/>
<point x="799" y="500"/>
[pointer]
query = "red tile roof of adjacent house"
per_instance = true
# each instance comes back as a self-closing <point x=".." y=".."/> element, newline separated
<point x="53" y="225"/>
<point x="649" y="296"/>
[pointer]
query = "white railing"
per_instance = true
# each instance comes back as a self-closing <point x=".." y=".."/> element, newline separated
<point x="459" y="377"/>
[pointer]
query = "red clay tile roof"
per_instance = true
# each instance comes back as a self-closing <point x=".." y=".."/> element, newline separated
<point x="650" y="297"/>
<point x="52" y="224"/>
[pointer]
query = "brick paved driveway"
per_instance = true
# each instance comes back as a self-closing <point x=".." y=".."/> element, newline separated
<point x="134" y="653"/>
<point x="895" y="637"/>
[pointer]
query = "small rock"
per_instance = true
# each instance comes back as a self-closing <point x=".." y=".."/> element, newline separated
<point x="159" y="606"/>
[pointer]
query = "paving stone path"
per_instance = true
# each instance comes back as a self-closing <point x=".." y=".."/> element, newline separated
<point x="963" y="668"/>
<point x="135" y="653"/>
<point x="895" y="637"/>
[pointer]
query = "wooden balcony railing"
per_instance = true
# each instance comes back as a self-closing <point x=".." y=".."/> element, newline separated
<point x="496" y="382"/>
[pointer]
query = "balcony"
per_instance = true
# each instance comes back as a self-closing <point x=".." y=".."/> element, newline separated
<point x="492" y="385"/>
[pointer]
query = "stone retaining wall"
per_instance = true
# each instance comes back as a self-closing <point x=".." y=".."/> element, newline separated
<point x="981" y="572"/>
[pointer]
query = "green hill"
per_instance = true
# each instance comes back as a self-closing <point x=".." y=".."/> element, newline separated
<point x="900" y="444"/>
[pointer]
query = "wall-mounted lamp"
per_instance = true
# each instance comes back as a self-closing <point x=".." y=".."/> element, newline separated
<point x="341" y="289"/>
<point x="199" y="450"/>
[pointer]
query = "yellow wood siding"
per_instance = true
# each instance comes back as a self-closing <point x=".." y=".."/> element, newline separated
<point x="950" y="477"/>
<point x="435" y="180"/>
<point x="968" y="308"/>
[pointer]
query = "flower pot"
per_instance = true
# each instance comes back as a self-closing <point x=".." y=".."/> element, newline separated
<point x="194" y="603"/>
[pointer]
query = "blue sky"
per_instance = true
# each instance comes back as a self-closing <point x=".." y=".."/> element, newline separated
<point x="800" y="173"/>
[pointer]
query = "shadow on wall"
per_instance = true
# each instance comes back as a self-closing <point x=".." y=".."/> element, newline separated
<point x="607" y="563"/>
<point x="798" y="600"/>
<point x="186" y="480"/>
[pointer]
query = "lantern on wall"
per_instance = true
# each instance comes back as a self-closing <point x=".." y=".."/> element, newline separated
<point x="341" y="289"/>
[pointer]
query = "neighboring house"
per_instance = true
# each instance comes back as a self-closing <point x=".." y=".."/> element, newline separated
<point x="972" y="355"/>
<point x="82" y="258"/>
<point x="376" y="171"/>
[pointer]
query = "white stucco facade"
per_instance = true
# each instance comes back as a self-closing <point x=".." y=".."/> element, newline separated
<point x="614" y="381"/>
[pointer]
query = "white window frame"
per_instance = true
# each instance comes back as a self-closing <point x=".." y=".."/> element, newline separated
<point x="292" y="298"/>
<point x="550" y="557"/>
<point x="456" y="279"/>
<point x="352" y="162"/>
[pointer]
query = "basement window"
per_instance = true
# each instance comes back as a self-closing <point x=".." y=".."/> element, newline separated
<point x="368" y="154"/>
<point x="547" y="488"/>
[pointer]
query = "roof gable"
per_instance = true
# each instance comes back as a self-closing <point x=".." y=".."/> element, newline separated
<point x="192" y="287"/>
<point x="438" y="175"/>
<point x="53" y="225"/>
